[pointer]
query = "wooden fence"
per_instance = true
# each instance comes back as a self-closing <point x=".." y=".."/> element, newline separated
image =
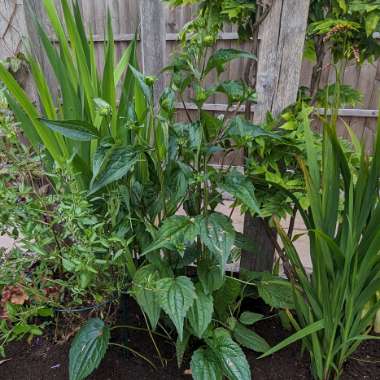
<point x="125" y="17"/>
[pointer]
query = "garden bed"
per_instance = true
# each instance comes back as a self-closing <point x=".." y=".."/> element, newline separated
<point x="44" y="360"/>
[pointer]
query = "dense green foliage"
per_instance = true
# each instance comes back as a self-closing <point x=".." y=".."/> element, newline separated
<point x="115" y="195"/>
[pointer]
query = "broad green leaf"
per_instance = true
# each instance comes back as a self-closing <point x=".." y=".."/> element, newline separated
<point x="218" y="234"/>
<point x="200" y="314"/>
<point x="236" y="91"/>
<point x="249" y="339"/>
<point x="204" y="365"/>
<point x="241" y="128"/>
<point x="119" y="161"/>
<point x="175" y="232"/>
<point x="88" y="349"/>
<point x="210" y="272"/>
<point x="223" y="56"/>
<point x="144" y="290"/>
<point x="226" y="296"/>
<point x="310" y="329"/>
<point x="276" y="293"/>
<point x="73" y="129"/>
<point x="176" y="296"/>
<point x="248" y="318"/>
<point x="211" y="125"/>
<point x="230" y="356"/>
<point x="240" y="187"/>
<point x="371" y="22"/>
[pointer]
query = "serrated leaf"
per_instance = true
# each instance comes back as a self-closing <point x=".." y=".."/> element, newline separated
<point x="117" y="163"/>
<point x="176" y="296"/>
<point x="218" y="234"/>
<point x="72" y="129"/>
<point x="240" y="187"/>
<point x="144" y="283"/>
<point x="226" y="296"/>
<point x="210" y="273"/>
<point x="88" y="349"/>
<point x="223" y="56"/>
<point x="230" y="356"/>
<point x="175" y="230"/>
<point x="204" y="365"/>
<point x="249" y="339"/>
<point x="200" y="314"/>
<point x="248" y="318"/>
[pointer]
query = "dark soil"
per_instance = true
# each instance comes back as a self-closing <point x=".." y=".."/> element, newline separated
<point x="43" y="360"/>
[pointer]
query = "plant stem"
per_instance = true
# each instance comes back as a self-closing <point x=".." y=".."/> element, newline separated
<point x="135" y="353"/>
<point x="153" y="340"/>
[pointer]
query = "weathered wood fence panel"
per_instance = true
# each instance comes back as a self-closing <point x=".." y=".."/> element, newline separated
<point x="125" y="17"/>
<point x="12" y="27"/>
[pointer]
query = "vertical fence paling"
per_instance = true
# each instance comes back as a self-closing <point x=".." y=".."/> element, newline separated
<point x="153" y="41"/>
<point x="281" y="36"/>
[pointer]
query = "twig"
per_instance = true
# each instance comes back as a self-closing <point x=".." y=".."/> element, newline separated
<point x="292" y="222"/>
<point x="153" y="340"/>
<point x="135" y="353"/>
<point x="287" y="267"/>
<point x="186" y="110"/>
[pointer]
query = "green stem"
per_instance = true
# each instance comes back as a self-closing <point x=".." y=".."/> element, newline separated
<point x="139" y="329"/>
<point x="153" y="340"/>
<point x="135" y="353"/>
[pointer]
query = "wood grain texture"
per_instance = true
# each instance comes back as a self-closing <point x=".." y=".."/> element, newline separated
<point x="153" y="41"/>
<point x="125" y="18"/>
<point x="281" y="42"/>
<point x="281" y="39"/>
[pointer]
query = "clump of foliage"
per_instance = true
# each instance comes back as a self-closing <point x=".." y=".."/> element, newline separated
<point x="345" y="28"/>
<point x="79" y="124"/>
<point x="65" y="256"/>
<point x="180" y="176"/>
<point x="344" y="247"/>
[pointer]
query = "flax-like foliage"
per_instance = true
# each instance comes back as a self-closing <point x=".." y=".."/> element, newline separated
<point x="343" y="222"/>
<point x="82" y="111"/>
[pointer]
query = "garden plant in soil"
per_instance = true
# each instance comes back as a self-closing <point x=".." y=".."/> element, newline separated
<point x="118" y="198"/>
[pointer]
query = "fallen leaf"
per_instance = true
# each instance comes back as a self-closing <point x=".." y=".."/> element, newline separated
<point x="188" y="372"/>
<point x="14" y="294"/>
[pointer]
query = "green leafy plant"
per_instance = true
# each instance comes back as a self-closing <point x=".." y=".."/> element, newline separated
<point x="344" y="247"/>
<point x="344" y="27"/>
<point x="88" y="349"/>
<point x="74" y="122"/>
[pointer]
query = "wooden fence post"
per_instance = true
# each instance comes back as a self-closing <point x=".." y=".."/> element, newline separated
<point x="153" y="41"/>
<point x="280" y="52"/>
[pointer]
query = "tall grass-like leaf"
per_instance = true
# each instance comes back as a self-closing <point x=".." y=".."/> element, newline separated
<point x="344" y="248"/>
<point x="108" y="85"/>
<point x="313" y="328"/>
<point x="19" y="94"/>
<point x="75" y="124"/>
